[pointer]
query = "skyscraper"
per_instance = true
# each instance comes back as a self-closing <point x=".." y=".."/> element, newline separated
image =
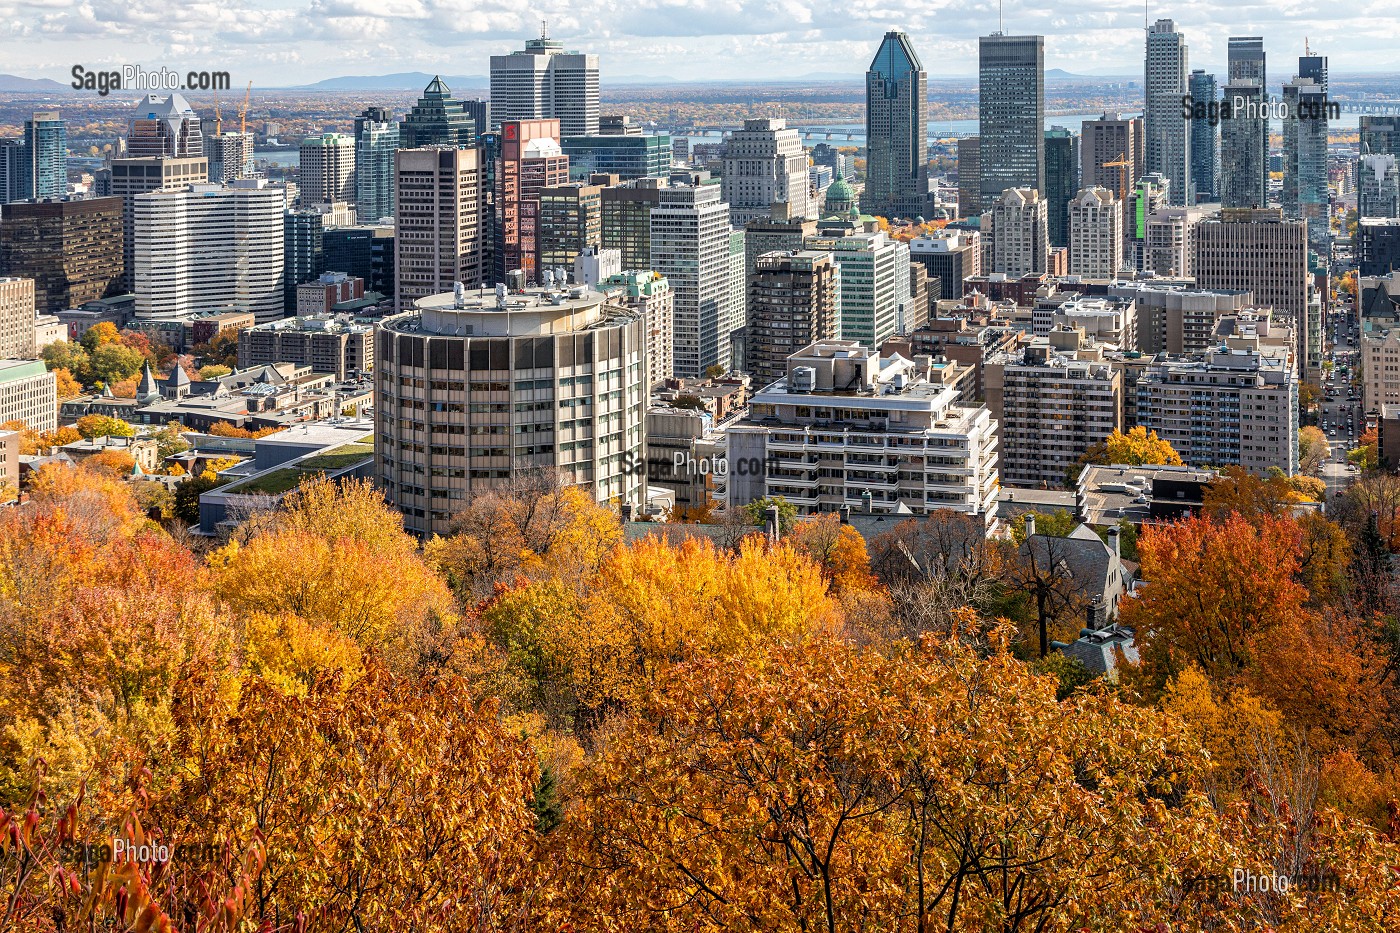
<point x="164" y="126"/>
<point x="327" y="171"/>
<point x="1244" y="137"/>
<point x="131" y="177"/>
<point x="545" y="82"/>
<point x="627" y="220"/>
<point x="690" y="245"/>
<point x="439" y="119"/>
<point x="72" y="249"/>
<point x="1380" y="135"/>
<point x="874" y="283"/>
<point x="230" y="156"/>
<point x="530" y="162"/>
<point x="1205" y="138"/>
<point x="1166" y="131"/>
<point x="1305" y="191"/>
<point x="969" y="177"/>
<point x="210" y="247"/>
<point x="43" y="160"/>
<point x="376" y="141"/>
<point x="437" y="240"/>
<point x="1061" y="181"/>
<point x="1011" y="113"/>
<point x="896" y="131"/>
<point x="1111" y="154"/>
<point x="764" y="163"/>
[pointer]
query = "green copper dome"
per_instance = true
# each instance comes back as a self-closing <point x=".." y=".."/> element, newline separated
<point x="840" y="197"/>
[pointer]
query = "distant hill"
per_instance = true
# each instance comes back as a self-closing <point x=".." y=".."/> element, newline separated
<point x="405" y="81"/>
<point x="1059" y="74"/>
<point x="16" y="83"/>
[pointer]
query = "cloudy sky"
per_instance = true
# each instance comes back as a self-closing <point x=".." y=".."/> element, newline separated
<point x="287" y="42"/>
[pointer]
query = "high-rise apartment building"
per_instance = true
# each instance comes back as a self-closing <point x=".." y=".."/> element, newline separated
<point x="571" y="221"/>
<point x="131" y="177"/>
<point x="437" y="238"/>
<point x="439" y="119"/>
<point x="1244" y="137"/>
<point x="1306" y="195"/>
<point x="1378" y="186"/>
<point x="764" y="163"/>
<point x="230" y="156"/>
<point x="1379" y="135"/>
<point x="1061" y="181"/>
<point x="71" y="249"/>
<point x="473" y="390"/>
<point x="627" y="220"/>
<point x="164" y="126"/>
<point x="1111" y="154"/>
<point x="1237" y="405"/>
<point x="545" y="82"/>
<point x="896" y="131"/>
<point x="530" y="161"/>
<point x="1011" y="114"/>
<point x="690" y="246"/>
<point x="17" y="312"/>
<point x="1205" y="136"/>
<point x="327" y="345"/>
<point x="778" y="235"/>
<point x="1166" y="131"/>
<point x="1014" y="237"/>
<point x="969" y="177"/>
<point x="1168" y="249"/>
<point x="1052" y="401"/>
<point x="1095" y="234"/>
<point x="1377" y="245"/>
<point x="41" y="163"/>
<point x="327" y="171"/>
<point x="846" y="427"/>
<point x="210" y="248"/>
<point x="1261" y="252"/>
<point x="874" y="286"/>
<point x="376" y="141"/>
<point x="794" y="299"/>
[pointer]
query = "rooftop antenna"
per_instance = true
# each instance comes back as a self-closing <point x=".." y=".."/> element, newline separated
<point x="544" y="29"/>
<point x="1001" y="17"/>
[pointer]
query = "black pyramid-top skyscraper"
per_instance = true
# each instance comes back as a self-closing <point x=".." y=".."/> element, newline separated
<point x="896" y="131"/>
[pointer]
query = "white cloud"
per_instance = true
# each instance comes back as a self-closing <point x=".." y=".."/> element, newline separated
<point x="294" y="41"/>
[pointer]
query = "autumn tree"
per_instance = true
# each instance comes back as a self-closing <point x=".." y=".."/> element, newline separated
<point x="836" y="789"/>
<point x="336" y="555"/>
<point x="1237" y="491"/>
<point x="1213" y="591"/>
<point x="66" y="385"/>
<point x="90" y="426"/>
<point x="382" y="802"/>
<point x="1138" y="447"/>
<point x="837" y="548"/>
<point x="1313" y="449"/>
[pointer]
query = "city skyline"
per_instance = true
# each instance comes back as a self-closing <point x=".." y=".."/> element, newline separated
<point x="703" y="41"/>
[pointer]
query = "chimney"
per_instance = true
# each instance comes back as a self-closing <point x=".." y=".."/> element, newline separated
<point x="845" y="514"/>
<point x="771" y="523"/>
<point x="626" y="512"/>
<point x="1030" y="524"/>
<point x="1115" y="541"/>
<point x="867" y="502"/>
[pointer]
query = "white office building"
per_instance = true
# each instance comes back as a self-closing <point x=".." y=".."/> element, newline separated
<point x="692" y="246"/>
<point x="210" y="248"/>
<point x="327" y="171"/>
<point x="543" y="81"/>
<point x="765" y="163"/>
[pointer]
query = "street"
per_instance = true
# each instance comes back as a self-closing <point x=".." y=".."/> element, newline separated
<point x="1340" y="413"/>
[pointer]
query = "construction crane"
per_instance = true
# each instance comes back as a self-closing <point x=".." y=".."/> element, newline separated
<point x="218" y="118"/>
<point x="1122" y="164"/>
<point x="243" y="111"/>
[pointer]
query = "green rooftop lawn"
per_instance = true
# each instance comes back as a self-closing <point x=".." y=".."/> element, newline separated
<point x="338" y="459"/>
<point x="288" y="478"/>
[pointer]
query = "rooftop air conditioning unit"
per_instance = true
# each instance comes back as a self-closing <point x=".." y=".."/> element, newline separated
<point x="804" y="379"/>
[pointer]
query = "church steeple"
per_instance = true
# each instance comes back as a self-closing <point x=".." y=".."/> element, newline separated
<point x="148" y="391"/>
